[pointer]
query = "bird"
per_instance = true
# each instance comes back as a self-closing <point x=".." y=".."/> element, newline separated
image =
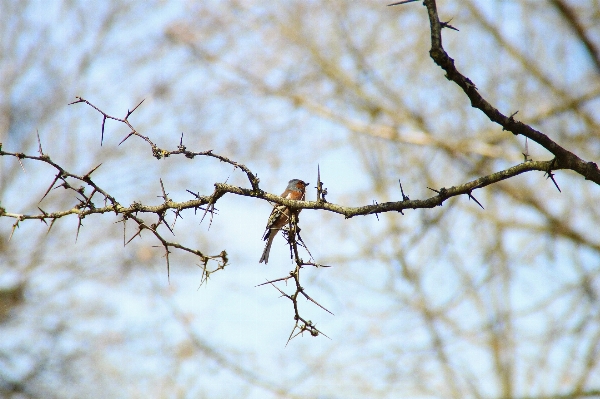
<point x="295" y="190"/>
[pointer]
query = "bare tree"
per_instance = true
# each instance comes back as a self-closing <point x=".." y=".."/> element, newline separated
<point x="475" y="269"/>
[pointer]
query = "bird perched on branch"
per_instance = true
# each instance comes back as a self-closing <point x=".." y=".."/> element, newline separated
<point x="280" y="215"/>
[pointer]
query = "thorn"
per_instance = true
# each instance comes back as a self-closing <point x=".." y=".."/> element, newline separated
<point x="126" y="137"/>
<point x="43" y="213"/>
<point x="177" y="215"/>
<point x="321" y="192"/>
<point x="64" y="185"/>
<point x="102" y="135"/>
<point x="197" y="195"/>
<point x="319" y="187"/>
<point x="447" y="25"/>
<point x="39" y="143"/>
<point x="526" y="153"/>
<point x="551" y="176"/>
<point x="401" y="2"/>
<point x="404" y="197"/>
<point x="290" y="337"/>
<point x="14" y="228"/>
<point x="78" y="228"/>
<point x="124" y="230"/>
<point x="165" y="196"/>
<point x="210" y="208"/>
<point x="318" y="182"/>
<point x="315" y="302"/>
<point x="136" y="234"/>
<point x="322" y="333"/>
<point x="511" y="119"/>
<point x="168" y="263"/>
<point x="79" y="100"/>
<point x="273" y="281"/>
<point x="21" y="163"/>
<point x="51" y="224"/>
<point x="162" y="219"/>
<point x="133" y="110"/>
<point x="51" y="185"/>
<point x="89" y="200"/>
<point x="87" y="175"/>
<point x="475" y="199"/>
<point x="182" y="148"/>
<point x="376" y="213"/>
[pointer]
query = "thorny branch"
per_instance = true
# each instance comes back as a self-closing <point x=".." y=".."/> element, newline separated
<point x="87" y="206"/>
<point x="564" y="159"/>
<point x="87" y="203"/>
<point x="159" y="153"/>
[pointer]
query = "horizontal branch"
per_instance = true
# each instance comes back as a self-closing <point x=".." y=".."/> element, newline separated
<point x="83" y="210"/>
<point x="397" y="206"/>
<point x="116" y="208"/>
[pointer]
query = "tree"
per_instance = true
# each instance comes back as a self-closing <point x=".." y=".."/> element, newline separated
<point x="451" y="301"/>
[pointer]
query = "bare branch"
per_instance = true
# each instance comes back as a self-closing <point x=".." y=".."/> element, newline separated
<point x="564" y="158"/>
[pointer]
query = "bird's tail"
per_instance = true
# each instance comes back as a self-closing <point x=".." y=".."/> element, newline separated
<point x="267" y="250"/>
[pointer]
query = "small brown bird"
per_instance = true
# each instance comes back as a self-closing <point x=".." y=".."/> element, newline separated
<point x="280" y="215"/>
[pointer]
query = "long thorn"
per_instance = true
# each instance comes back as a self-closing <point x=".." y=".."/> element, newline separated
<point x="78" y="228"/>
<point x="133" y="110"/>
<point x="401" y="2"/>
<point x="39" y="143"/>
<point x="475" y="199"/>
<point x="14" y="228"/>
<point x="102" y="135"/>
<point x="87" y="175"/>
<point x="126" y="137"/>
<point x="52" y="185"/>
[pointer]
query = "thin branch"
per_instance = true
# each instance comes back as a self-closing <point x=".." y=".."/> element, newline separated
<point x="569" y="15"/>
